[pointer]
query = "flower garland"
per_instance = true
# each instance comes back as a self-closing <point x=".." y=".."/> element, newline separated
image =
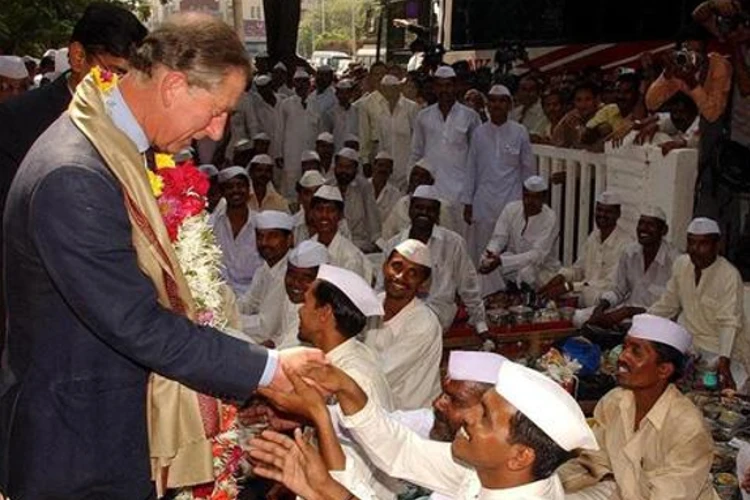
<point x="180" y="192"/>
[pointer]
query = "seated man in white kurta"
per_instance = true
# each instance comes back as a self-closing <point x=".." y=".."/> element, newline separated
<point x="410" y="339"/>
<point x="274" y="239"/>
<point x="509" y="447"/>
<point x="706" y="295"/>
<point x="523" y="244"/>
<point x="327" y="210"/>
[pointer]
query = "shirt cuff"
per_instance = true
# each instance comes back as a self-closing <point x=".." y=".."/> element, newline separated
<point x="726" y="342"/>
<point x="362" y="417"/>
<point x="272" y="363"/>
<point x="481" y="326"/>
<point x="610" y="297"/>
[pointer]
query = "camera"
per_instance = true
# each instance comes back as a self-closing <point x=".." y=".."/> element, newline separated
<point x="686" y="60"/>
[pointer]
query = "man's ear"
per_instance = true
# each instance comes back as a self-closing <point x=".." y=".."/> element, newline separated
<point x="521" y="457"/>
<point x="77" y="59"/>
<point x="171" y="84"/>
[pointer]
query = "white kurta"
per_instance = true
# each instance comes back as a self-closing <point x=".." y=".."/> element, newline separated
<point x="383" y="130"/>
<point x="398" y="218"/>
<point x="399" y="452"/>
<point x="387" y="199"/>
<point x="593" y="273"/>
<point x="343" y="253"/>
<point x="500" y="159"/>
<point x="361" y="212"/>
<point x="533" y="119"/>
<point x="239" y="255"/>
<point x="289" y="329"/>
<point x="445" y="144"/>
<point x="261" y="302"/>
<point x="340" y="122"/>
<point x="636" y="287"/>
<point x="324" y="101"/>
<point x="253" y="116"/>
<point x="528" y="247"/>
<point x="410" y="346"/>
<point x="452" y="273"/>
<point x="297" y="131"/>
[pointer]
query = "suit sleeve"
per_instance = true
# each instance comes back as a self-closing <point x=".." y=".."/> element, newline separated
<point x="81" y="229"/>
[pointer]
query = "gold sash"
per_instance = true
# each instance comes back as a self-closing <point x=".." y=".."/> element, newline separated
<point x="179" y="419"/>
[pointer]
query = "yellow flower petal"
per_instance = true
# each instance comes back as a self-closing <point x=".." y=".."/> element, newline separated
<point x="105" y="80"/>
<point x="157" y="184"/>
<point x="164" y="160"/>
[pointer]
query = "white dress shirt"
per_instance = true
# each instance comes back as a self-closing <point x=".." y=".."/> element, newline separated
<point x="452" y="272"/>
<point x="361" y="213"/>
<point x="398" y="218"/>
<point x="297" y="131"/>
<point x="383" y="130"/>
<point x="527" y="246"/>
<point x="410" y="346"/>
<point x="445" y="144"/>
<point x="387" y="199"/>
<point x="259" y="307"/>
<point x="343" y="253"/>
<point x="239" y="255"/>
<point x="253" y="116"/>
<point x="341" y="122"/>
<point x="635" y="286"/>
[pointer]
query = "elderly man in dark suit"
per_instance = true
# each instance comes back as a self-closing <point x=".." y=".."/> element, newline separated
<point x="87" y="322"/>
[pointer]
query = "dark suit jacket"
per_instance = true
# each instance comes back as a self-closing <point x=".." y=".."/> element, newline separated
<point x="85" y="331"/>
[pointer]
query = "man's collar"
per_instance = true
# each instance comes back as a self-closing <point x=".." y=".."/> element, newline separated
<point x="123" y="119"/>
<point x="658" y="413"/>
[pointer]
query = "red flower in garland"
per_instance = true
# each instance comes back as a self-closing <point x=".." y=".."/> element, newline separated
<point x="183" y="195"/>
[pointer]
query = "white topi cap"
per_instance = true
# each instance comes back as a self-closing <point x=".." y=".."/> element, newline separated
<point x="280" y="65"/>
<point x="349" y="154"/>
<point x="535" y="184"/>
<point x="499" y="91"/>
<point x="426" y="192"/>
<point x="415" y="251"/>
<point x="273" y="219"/>
<point x="49" y="53"/>
<point x="474" y="366"/>
<point x="445" y="72"/>
<point x="546" y="404"/>
<point x="312" y="178"/>
<point x="261" y="160"/>
<point x="658" y="329"/>
<point x="62" y="64"/>
<point x="310" y="155"/>
<point x="389" y="81"/>
<point x="351" y="138"/>
<point x="261" y="136"/>
<point x="345" y="84"/>
<point x="425" y="165"/>
<point x="243" y="144"/>
<point x="354" y="287"/>
<point x="330" y="193"/>
<point x="609" y="198"/>
<point x="703" y="225"/>
<point x="301" y="74"/>
<point x="13" y="67"/>
<point x="308" y="254"/>
<point x="209" y="170"/>
<point x="232" y="172"/>
<point x="654" y="211"/>
<point x="325" y="137"/>
<point x="262" y="80"/>
<point x="384" y="155"/>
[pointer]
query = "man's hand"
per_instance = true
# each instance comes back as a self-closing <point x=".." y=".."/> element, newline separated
<point x="259" y="413"/>
<point x="554" y="288"/>
<point x="646" y="134"/>
<point x="351" y="397"/>
<point x="293" y="360"/>
<point x="618" y="135"/>
<point x="304" y="401"/>
<point x="668" y="146"/>
<point x="726" y="381"/>
<point x="489" y="263"/>
<point x="468" y="214"/>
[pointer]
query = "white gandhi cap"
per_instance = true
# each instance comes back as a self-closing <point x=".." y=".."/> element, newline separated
<point x="261" y="136"/>
<point x="609" y="198"/>
<point x="308" y="254"/>
<point x="209" y="170"/>
<point x="312" y="178"/>
<point x="273" y="219"/>
<point x="445" y="72"/>
<point x="415" y="251"/>
<point x="474" y="366"/>
<point x="389" y="81"/>
<point x="262" y="80"/>
<point x="654" y="211"/>
<point x="330" y="193"/>
<point x="325" y="137"/>
<point x="13" y="67"/>
<point x="535" y="184"/>
<point x="349" y="154"/>
<point x="425" y="165"/>
<point x="301" y="74"/>
<point x="354" y="287"/>
<point x="426" y="192"/>
<point x="232" y="172"/>
<point x="345" y="84"/>
<point x="384" y="155"/>
<point x="261" y="160"/>
<point x="310" y="155"/>
<point x="546" y="404"/>
<point x="703" y="225"/>
<point x="658" y="329"/>
<point x="351" y="138"/>
<point x="499" y="91"/>
<point x="280" y="65"/>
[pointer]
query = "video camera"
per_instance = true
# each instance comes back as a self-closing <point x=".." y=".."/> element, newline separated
<point x="687" y="60"/>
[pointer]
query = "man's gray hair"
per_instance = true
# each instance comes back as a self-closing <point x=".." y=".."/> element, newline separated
<point x="202" y="47"/>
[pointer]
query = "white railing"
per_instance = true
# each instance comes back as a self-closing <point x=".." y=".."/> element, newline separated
<point x="640" y="174"/>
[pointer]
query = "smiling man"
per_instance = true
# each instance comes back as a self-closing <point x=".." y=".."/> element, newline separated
<point x="652" y="439"/>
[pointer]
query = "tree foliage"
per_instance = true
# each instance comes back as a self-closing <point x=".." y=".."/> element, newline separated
<point x="29" y="27"/>
<point x="335" y="31"/>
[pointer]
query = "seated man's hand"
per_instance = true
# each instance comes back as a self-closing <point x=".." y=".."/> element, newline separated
<point x="646" y="134"/>
<point x="668" y="146"/>
<point x="726" y="380"/>
<point x="489" y="263"/>
<point x="293" y="360"/>
<point x="554" y="288"/>
<point x="259" y="413"/>
<point x="304" y="401"/>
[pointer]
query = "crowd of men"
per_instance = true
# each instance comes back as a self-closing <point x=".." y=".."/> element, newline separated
<point x="357" y="214"/>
